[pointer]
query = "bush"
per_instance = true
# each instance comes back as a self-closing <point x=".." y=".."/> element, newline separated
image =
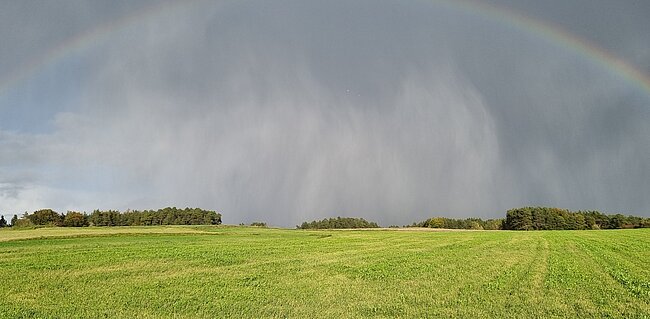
<point x="23" y="223"/>
<point x="258" y="224"/>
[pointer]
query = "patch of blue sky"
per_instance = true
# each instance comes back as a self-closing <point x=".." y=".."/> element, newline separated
<point x="31" y="104"/>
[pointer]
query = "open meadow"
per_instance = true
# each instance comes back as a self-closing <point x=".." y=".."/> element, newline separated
<point x="220" y="271"/>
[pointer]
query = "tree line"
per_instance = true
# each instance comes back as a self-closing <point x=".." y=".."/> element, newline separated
<point x="164" y="216"/>
<point x="452" y="223"/>
<point x="549" y="218"/>
<point x="524" y="218"/>
<point x="338" y="223"/>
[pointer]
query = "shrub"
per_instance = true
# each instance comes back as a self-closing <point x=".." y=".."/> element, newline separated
<point x="258" y="224"/>
<point x="23" y="223"/>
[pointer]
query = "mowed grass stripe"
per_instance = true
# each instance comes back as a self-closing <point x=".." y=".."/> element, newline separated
<point x="625" y="265"/>
<point x="209" y="272"/>
<point x="585" y="285"/>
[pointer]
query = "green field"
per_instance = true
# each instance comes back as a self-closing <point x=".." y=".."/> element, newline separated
<point x="208" y="272"/>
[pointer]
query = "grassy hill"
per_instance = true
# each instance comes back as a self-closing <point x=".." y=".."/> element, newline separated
<point x="217" y="271"/>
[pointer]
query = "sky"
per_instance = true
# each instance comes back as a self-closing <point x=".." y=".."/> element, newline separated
<point x="289" y="111"/>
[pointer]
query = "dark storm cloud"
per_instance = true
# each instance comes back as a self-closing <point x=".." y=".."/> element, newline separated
<point x="614" y="26"/>
<point x="564" y="110"/>
<point x="289" y="111"/>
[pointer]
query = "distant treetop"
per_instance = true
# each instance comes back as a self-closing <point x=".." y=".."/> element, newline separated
<point x="550" y="218"/>
<point x="164" y="216"/>
<point x="338" y="223"/>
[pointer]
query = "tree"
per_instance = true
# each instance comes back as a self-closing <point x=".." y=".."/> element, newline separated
<point x="74" y="219"/>
<point x="45" y="217"/>
<point x="436" y="222"/>
<point x="581" y="222"/>
<point x="474" y="225"/>
<point x="493" y="224"/>
<point x="13" y="220"/>
<point x="519" y="219"/>
<point x="590" y="221"/>
<point x="3" y="221"/>
<point x="617" y="221"/>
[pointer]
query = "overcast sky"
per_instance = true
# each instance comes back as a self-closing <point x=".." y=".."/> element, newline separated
<point x="286" y="111"/>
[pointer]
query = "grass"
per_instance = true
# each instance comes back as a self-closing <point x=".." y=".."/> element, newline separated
<point x="208" y="272"/>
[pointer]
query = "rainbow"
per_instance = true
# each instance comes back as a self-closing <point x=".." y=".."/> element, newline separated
<point x="555" y="35"/>
<point x="84" y="40"/>
<point x="498" y="14"/>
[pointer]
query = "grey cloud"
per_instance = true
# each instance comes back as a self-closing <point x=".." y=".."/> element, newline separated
<point x="615" y="26"/>
<point x="301" y="110"/>
<point x="298" y="151"/>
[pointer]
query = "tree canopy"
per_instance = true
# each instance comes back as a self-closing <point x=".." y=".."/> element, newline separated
<point x="452" y="223"/>
<point x="338" y="223"/>
<point x="550" y="218"/>
<point x="46" y="217"/>
<point x="164" y="216"/>
<point x="524" y="218"/>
